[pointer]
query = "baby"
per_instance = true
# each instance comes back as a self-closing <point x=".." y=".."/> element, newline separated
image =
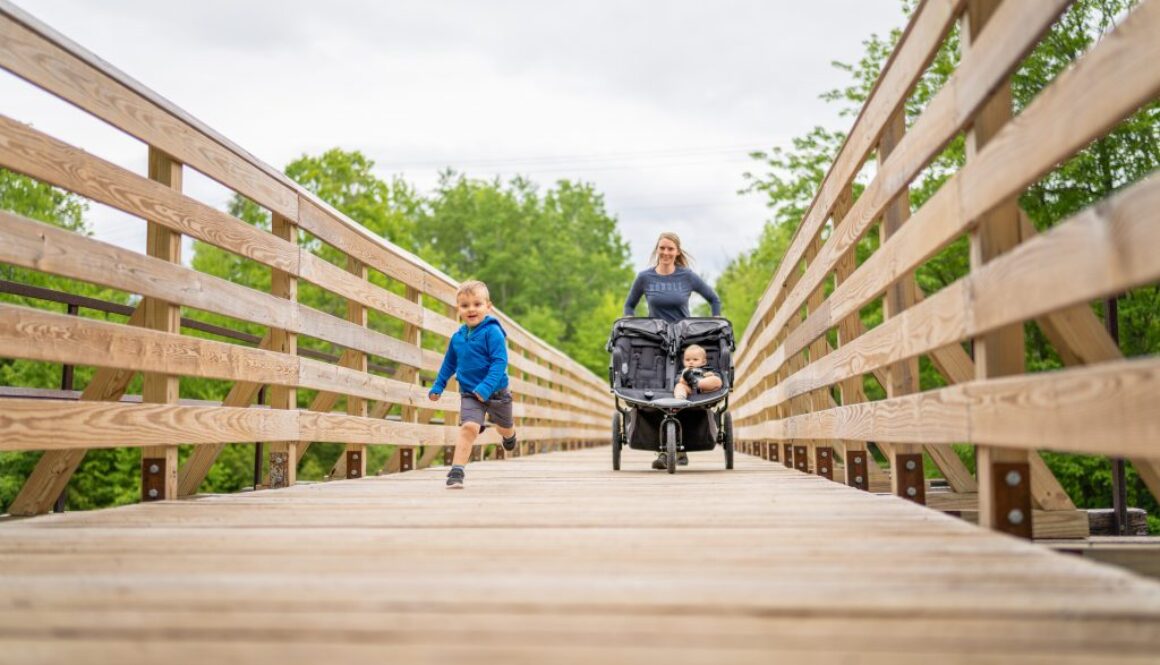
<point x="696" y="379"/>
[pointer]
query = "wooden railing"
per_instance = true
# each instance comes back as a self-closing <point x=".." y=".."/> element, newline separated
<point x="559" y="403"/>
<point x="801" y="398"/>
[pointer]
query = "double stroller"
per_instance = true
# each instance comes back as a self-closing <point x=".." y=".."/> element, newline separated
<point x="646" y="363"/>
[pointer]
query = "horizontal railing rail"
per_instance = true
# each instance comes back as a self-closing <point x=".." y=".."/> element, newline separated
<point x="378" y="371"/>
<point x="802" y="396"/>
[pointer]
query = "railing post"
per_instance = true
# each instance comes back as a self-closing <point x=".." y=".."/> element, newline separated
<point x="1004" y="474"/>
<point x="67" y="379"/>
<point x="283" y="454"/>
<point x="159" y="463"/>
<point x="854" y="453"/>
<point x="356" y="312"/>
<point x="1119" y="485"/>
<point x="907" y="478"/>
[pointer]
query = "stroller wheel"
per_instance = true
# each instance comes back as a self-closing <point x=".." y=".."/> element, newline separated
<point x="617" y="441"/>
<point x="727" y="426"/>
<point x="670" y="441"/>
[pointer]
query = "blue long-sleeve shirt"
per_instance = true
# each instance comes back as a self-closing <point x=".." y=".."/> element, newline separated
<point x="668" y="295"/>
<point x="478" y="356"/>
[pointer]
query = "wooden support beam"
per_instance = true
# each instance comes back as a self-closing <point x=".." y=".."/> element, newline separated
<point x="159" y="463"/>
<point x="901" y="377"/>
<point x="191" y="474"/>
<point x="283" y="454"/>
<point x="356" y="312"/>
<point x="1004" y="474"/>
<point x="55" y="468"/>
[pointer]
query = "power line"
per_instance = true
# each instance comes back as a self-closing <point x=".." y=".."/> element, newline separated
<point x="557" y="160"/>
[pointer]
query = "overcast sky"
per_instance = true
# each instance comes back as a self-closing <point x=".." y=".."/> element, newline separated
<point x="656" y="103"/>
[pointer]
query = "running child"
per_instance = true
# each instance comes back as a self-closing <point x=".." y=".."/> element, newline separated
<point x="477" y="356"/>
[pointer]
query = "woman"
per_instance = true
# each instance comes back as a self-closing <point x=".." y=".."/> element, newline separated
<point x="667" y="286"/>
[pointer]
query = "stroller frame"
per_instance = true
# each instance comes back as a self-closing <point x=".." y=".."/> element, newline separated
<point x="645" y="362"/>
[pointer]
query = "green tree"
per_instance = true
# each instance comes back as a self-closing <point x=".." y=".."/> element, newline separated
<point x="1129" y="152"/>
<point x="106" y="477"/>
<point x="550" y="260"/>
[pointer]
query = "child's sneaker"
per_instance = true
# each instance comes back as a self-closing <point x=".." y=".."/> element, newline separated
<point x="455" y="479"/>
<point x="509" y="443"/>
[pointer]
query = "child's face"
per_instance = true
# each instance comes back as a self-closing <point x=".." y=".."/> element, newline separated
<point x="472" y="308"/>
<point x="694" y="358"/>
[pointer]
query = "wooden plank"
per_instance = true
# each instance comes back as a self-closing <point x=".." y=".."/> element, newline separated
<point x="40" y="156"/>
<point x="906" y="479"/>
<point x="36" y="334"/>
<point x="159" y="463"/>
<point x="55" y="468"/>
<point x="355" y="454"/>
<point x="332" y="278"/>
<point x="1004" y="474"/>
<point x="916" y="47"/>
<point x="192" y="474"/>
<point x="32" y="424"/>
<point x="36" y="53"/>
<point x="1099" y="410"/>
<point x="1054" y="272"/>
<point x="1015" y="32"/>
<point x="39" y="246"/>
<point x="283" y="455"/>
<point x="317" y="220"/>
<point x="216" y="597"/>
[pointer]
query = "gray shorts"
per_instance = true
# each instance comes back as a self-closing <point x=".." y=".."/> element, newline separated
<point x="498" y="409"/>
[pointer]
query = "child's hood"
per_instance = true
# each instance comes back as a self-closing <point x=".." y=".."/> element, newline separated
<point x="487" y="322"/>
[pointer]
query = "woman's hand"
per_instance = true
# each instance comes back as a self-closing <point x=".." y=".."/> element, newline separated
<point x="434" y="397"/>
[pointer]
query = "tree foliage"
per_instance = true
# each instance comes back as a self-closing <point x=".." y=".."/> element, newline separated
<point x="788" y="178"/>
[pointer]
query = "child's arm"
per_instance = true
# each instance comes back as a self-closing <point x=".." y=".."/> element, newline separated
<point x="681" y="390"/>
<point x="497" y="362"/>
<point x="709" y="382"/>
<point x="450" y="361"/>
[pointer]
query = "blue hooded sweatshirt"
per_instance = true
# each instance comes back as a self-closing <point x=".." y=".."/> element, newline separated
<point x="479" y="357"/>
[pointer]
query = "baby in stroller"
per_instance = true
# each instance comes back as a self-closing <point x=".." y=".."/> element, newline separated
<point x="695" y="378"/>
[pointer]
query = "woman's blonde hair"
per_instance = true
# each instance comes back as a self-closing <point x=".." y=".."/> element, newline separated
<point x="684" y="260"/>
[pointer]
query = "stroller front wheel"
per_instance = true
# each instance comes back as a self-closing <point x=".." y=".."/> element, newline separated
<point x="727" y="426"/>
<point x="617" y="441"/>
<point x="670" y="441"/>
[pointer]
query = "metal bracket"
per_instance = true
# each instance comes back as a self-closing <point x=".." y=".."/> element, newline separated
<point x="1011" y="498"/>
<point x="857" y="475"/>
<point x="279" y="469"/>
<point x="788" y="448"/>
<point x="153" y="479"/>
<point x="353" y="464"/>
<point x="406" y="459"/>
<point x="911" y="481"/>
<point x="825" y="462"/>
<point x="801" y="459"/>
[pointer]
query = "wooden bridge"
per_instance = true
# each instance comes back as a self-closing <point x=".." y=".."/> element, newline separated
<point x="808" y="550"/>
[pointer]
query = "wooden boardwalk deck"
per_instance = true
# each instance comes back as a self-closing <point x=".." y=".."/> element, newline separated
<point x="555" y="558"/>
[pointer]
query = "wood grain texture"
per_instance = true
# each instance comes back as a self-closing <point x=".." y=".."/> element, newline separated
<point x="1106" y="409"/>
<point x="51" y="425"/>
<point x="923" y="35"/>
<point x="28" y="151"/>
<point x="111" y="587"/>
<point x="1100" y="251"/>
<point x="1017" y="28"/>
<point x="43" y="57"/>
